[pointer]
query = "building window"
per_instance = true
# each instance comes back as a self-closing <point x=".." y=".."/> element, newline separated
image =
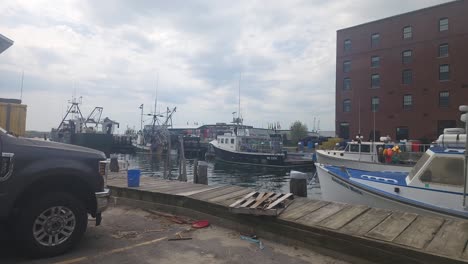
<point x="402" y="133"/>
<point x="407" y="32"/>
<point x="407" y="101"/>
<point x="375" y="61"/>
<point x="407" y="56"/>
<point x="407" y="76"/>
<point x="443" y="50"/>
<point x="347" y="105"/>
<point x="375" y="40"/>
<point x="444" y="99"/>
<point x="444" y="72"/>
<point x="347" y="84"/>
<point x="347" y="66"/>
<point x="375" y="81"/>
<point x="347" y="45"/>
<point x="344" y="130"/>
<point x="375" y="104"/>
<point x="443" y="24"/>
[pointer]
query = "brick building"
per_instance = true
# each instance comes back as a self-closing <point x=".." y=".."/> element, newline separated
<point x="408" y="73"/>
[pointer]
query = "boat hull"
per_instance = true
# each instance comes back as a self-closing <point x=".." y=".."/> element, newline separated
<point x="324" y="158"/>
<point x="251" y="158"/>
<point x="336" y="189"/>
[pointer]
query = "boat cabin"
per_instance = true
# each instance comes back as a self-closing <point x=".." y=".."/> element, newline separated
<point x="440" y="169"/>
<point x="245" y="142"/>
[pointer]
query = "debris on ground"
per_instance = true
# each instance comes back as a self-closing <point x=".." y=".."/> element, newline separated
<point x="134" y="234"/>
<point x="200" y="224"/>
<point x="253" y="240"/>
<point x="179" y="236"/>
<point x="125" y="234"/>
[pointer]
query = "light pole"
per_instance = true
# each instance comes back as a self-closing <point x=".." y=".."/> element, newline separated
<point x="141" y="118"/>
<point x="464" y="118"/>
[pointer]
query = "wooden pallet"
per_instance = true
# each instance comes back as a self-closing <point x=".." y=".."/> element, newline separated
<point x="262" y="203"/>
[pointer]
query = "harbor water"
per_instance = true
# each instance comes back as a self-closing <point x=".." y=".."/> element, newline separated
<point x="257" y="177"/>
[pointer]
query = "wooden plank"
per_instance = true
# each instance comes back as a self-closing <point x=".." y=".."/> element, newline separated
<point x="284" y="197"/>
<point x="248" y="202"/>
<point x="201" y="196"/>
<point x="392" y="226"/>
<point x="198" y="191"/>
<point x="260" y="195"/>
<point x="276" y="196"/>
<point x="191" y="189"/>
<point x="321" y="213"/>
<point x="420" y="232"/>
<point x="215" y="193"/>
<point x="303" y="210"/>
<point x="229" y="196"/>
<point x="260" y="201"/>
<point x="242" y="199"/>
<point x="365" y="222"/>
<point x="343" y="217"/>
<point x="173" y="189"/>
<point x="451" y="239"/>
<point x="296" y="202"/>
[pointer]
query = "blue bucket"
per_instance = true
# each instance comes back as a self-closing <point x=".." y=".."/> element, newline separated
<point x="133" y="178"/>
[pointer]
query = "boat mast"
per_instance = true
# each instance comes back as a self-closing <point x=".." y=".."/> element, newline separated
<point x="239" y="106"/>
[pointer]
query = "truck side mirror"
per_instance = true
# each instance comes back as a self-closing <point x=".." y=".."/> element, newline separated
<point x="6" y="166"/>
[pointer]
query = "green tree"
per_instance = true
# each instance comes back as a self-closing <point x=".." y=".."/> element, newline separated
<point x="298" y="131"/>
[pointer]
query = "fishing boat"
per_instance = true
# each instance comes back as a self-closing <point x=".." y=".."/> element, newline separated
<point x="92" y="132"/>
<point x="156" y="136"/>
<point x="364" y="155"/>
<point x="243" y="146"/>
<point x="433" y="186"/>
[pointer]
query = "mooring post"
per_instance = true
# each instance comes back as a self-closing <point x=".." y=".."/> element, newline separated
<point x="182" y="165"/>
<point x="195" y="171"/>
<point x="298" y="183"/>
<point x="202" y="174"/>
<point x="114" y="164"/>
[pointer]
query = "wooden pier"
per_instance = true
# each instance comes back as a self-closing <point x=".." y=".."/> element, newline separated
<point x="377" y="235"/>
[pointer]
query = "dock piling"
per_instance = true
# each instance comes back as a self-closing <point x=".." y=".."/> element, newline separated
<point x="201" y="173"/>
<point x="298" y="183"/>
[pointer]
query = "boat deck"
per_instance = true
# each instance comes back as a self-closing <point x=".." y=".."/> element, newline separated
<point x="379" y="235"/>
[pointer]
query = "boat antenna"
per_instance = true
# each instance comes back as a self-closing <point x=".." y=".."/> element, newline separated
<point x="22" y="81"/>
<point x="156" y="97"/>
<point x="239" y="106"/>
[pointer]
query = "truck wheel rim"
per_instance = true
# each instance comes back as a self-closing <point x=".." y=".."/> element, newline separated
<point x="54" y="226"/>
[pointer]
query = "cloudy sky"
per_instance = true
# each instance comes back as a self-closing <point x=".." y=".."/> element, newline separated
<point x="111" y="53"/>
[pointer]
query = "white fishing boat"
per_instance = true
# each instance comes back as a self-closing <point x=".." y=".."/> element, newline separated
<point x="365" y="156"/>
<point x="435" y="185"/>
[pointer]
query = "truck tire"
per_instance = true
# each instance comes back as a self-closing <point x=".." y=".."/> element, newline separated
<point x="51" y="225"/>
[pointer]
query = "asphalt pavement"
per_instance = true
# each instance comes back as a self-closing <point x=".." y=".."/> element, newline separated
<point x="136" y="236"/>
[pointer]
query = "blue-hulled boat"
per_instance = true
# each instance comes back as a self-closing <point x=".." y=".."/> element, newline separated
<point x="435" y="185"/>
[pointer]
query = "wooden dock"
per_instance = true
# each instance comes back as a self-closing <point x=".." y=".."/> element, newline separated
<point x="378" y="235"/>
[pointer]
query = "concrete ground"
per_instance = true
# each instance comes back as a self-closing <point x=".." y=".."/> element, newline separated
<point x="135" y="236"/>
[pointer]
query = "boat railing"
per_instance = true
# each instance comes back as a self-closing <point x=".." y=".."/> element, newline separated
<point x="404" y="154"/>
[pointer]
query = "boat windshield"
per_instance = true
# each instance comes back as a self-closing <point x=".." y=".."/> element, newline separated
<point x="444" y="170"/>
<point x="2" y="130"/>
<point x="418" y="165"/>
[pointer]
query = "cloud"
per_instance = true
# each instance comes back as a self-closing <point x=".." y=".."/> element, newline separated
<point x="117" y="53"/>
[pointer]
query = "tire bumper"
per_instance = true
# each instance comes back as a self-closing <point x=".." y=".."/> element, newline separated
<point x="102" y="200"/>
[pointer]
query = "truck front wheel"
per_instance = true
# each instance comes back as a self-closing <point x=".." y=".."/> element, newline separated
<point x="51" y="224"/>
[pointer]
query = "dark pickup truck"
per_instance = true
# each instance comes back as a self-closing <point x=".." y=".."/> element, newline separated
<point x="47" y="190"/>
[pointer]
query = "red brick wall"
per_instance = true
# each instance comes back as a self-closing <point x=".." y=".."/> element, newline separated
<point x="423" y="117"/>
